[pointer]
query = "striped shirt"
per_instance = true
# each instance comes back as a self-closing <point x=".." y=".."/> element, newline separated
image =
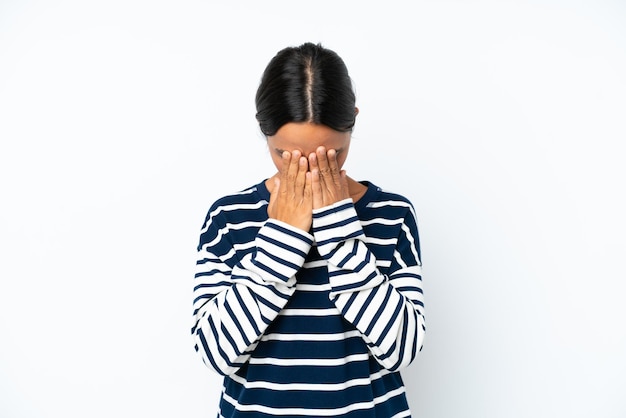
<point x="310" y="324"/>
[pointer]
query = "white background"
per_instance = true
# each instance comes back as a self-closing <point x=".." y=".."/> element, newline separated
<point x="503" y="122"/>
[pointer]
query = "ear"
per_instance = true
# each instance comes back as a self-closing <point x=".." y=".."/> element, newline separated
<point x="356" y="111"/>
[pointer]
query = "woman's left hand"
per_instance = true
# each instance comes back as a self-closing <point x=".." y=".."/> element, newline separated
<point x="329" y="183"/>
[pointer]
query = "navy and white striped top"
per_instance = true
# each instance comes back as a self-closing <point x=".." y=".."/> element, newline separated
<point x="313" y="325"/>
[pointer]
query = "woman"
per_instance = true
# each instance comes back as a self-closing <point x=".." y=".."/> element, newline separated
<point x="307" y="294"/>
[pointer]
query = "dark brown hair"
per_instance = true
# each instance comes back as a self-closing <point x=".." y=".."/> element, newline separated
<point x="308" y="83"/>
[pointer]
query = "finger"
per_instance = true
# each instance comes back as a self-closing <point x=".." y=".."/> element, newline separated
<point x="322" y="162"/>
<point x="292" y="171"/>
<point x="345" y="190"/>
<point x="316" y="189"/>
<point x="308" y="193"/>
<point x="273" y="197"/>
<point x="313" y="162"/>
<point x="333" y="166"/>
<point x="286" y="159"/>
<point x="303" y="167"/>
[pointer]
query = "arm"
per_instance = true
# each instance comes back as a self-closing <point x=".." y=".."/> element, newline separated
<point x="233" y="306"/>
<point x="236" y="297"/>
<point x="387" y="310"/>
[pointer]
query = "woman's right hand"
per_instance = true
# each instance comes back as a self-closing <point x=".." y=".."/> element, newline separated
<point x="291" y="198"/>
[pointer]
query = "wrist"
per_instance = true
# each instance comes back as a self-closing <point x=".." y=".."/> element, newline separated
<point x="335" y="224"/>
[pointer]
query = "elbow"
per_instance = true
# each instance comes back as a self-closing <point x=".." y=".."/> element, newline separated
<point x="213" y="357"/>
<point x="397" y="358"/>
<point x="398" y="361"/>
<point x="406" y="347"/>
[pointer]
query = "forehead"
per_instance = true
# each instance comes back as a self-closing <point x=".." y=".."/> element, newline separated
<point x="306" y="137"/>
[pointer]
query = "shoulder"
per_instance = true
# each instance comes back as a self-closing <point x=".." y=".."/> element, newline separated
<point x="389" y="222"/>
<point x="383" y="201"/>
<point x="239" y="203"/>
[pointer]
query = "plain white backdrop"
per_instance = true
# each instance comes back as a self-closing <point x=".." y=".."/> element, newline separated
<point x="504" y="123"/>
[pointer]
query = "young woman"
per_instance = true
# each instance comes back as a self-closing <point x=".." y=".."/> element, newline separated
<point x="308" y="293"/>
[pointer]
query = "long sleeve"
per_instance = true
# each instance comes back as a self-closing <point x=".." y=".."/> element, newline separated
<point x="387" y="309"/>
<point x="237" y="296"/>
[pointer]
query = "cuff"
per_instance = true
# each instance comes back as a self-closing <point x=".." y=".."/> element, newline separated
<point x="281" y="249"/>
<point x="335" y="224"/>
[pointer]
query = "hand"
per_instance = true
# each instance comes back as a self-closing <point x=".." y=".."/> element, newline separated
<point x="291" y="198"/>
<point x="328" y="183"/>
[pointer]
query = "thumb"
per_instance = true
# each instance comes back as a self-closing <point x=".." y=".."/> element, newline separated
<point x="344" y="192"/>
<point x="273" y="195"/>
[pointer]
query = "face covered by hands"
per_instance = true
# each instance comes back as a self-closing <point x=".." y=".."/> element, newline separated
<point x="302" y="185"/>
